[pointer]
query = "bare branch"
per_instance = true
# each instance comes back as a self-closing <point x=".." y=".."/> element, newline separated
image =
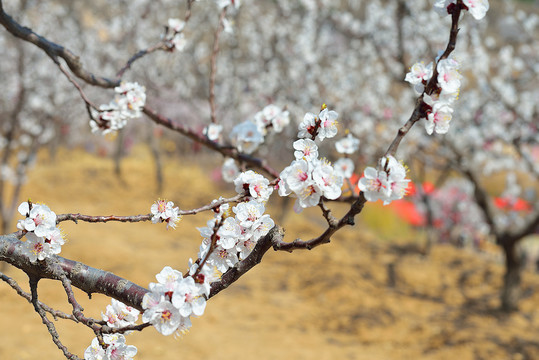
<point x="50" y="326"/>
<point x="347" y="219"/>
<point x="162" y="45"/>
<point x="102" y="219"/>
<point x="225" y="151"/>
<point x="55" y="313"/>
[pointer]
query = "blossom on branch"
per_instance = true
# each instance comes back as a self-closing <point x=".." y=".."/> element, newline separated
<point x="478" y="8"/>
<point x="246" y="137"/>
<point x="419" y="75"/>
<point x="213" y="131"/>
<point x="438" y="116"/>
<point x="39" y="218"/>
<point x="387" y="183"/>
<point x="116" y="349"/>
<point x="344" y="167"/>
<point x="172" y="300"/>
<point x="230" y="170"/>
<point x="309" y="181"/>
<point x="224" y="3"/>
<point x="188" y="297"/>
<point x="318" y="127"/>
<point x="255" y="185"/>
<point x="177" y="39"/>
<point x="43" y="238"/>
<point x="305" y="149"/>
<point x="176" y="25"/>
<point x="165" y="317"/>
<point x="448" y="76"/>
<point x="128" y="103"/>
<point x="118" y="315"/>
<point x="164" y="211"/>
<point x="271" y="116"/>
<point x="36" y="248"/>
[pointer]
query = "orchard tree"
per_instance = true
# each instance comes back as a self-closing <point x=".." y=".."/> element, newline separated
<point x="499" y="139"/>
<point x="249" y="75"/>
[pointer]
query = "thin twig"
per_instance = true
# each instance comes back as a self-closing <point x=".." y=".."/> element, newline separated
<point x="161" y="45"/>
<point x="147" y="217"/>
<point x="164" y="45"/>
<point x="225" y="151"/>
<point x="102" y="219"/>
<point x="325" y="237"/>
<point x="55" y="313"/>
<point x="78" y="311"/>
<point x="50" y="326"/>
<point x="432" y="85"/>
<point x="213" y="245"/>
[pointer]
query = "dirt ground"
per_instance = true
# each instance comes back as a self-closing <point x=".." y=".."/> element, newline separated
<point x="359" y="297"/>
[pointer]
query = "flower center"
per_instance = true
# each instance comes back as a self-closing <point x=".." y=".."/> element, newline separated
<point x="166" y="315"/>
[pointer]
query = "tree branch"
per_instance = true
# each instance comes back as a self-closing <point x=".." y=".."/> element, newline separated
<point x="84" y="277"/>
<point x="54" y="51"/>
<point x="225" y="151"/>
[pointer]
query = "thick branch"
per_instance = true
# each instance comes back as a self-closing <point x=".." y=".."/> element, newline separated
<point x="274" y="236"/>
<point x="84" y="277"/>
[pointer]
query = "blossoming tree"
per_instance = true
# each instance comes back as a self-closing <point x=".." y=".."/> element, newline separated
<point x="240" y="232"/>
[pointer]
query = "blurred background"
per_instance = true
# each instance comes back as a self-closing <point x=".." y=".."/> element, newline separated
<point x="450" y="271"/>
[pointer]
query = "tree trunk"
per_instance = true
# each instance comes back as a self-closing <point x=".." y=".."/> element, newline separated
<point x="512" y="279"/>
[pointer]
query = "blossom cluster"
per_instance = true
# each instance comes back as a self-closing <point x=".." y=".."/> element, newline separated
<point x="227" y="239"/>
<point x="236" y="236"/>
<point x="43" y="238"/>
<point x="127" y="104"/>
<point x="438" y="105"/>
<point x="318" y="127"/>
<point x="273" y="117"/>
<point x="387" y="183"/>
<point x="115" y="349"/>
<point x="117" y="315"/>
<point x="164" y="211"/>
<point x="173" y="299"/>
<point x="254" y="185"/>
<point x="345" y="166"/>
<point x="176" y="38"/>
<point x="248" y="135"/>
<point x="309" y="178"/>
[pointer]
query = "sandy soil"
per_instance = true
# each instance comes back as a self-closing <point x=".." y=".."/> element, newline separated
<point x="358" y="297"/>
